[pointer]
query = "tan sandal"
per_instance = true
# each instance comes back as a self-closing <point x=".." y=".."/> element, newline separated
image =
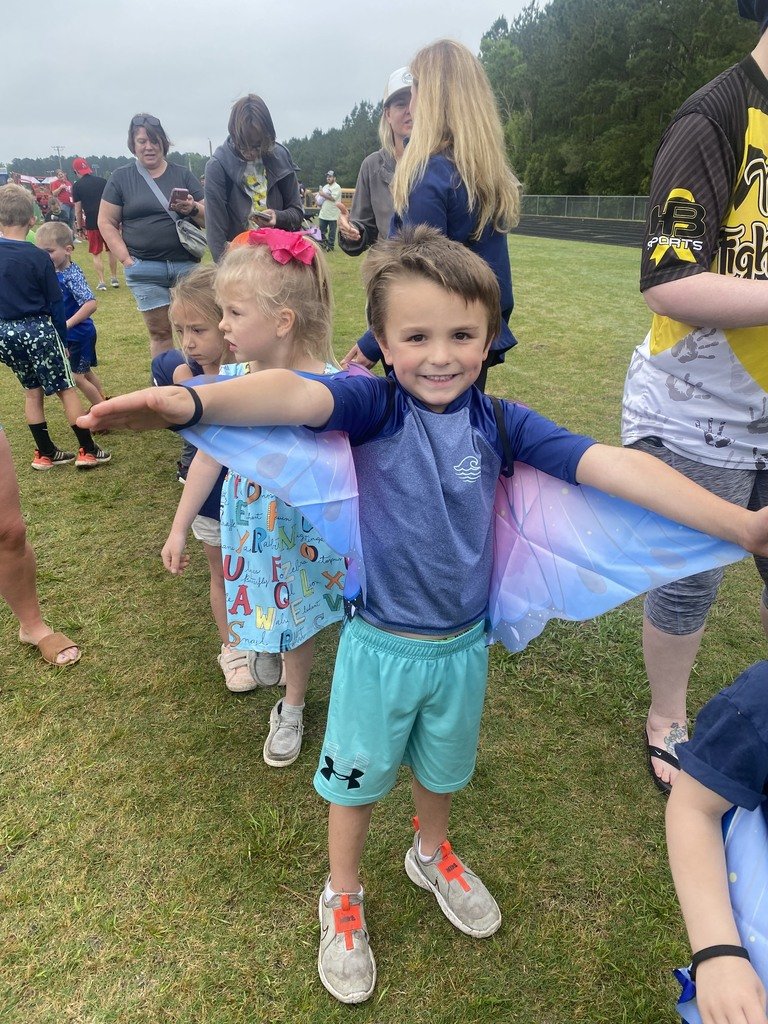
<point x="51" y="646"/>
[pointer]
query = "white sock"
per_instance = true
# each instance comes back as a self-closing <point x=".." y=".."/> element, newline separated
<point x="291" y="710"/>
<point x="329" y="893"/>
<point x="422" y="856"/>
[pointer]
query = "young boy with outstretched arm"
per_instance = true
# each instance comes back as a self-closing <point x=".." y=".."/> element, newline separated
<point x="724" y="764"/>
<point x="411" y="669"/>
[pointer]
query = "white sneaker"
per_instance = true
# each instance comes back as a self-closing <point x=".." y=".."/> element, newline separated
<point x="345" y="960"/>
<point x="460" y="894"/>
<point x="283" y="744"/>
<point x="234" y="665"/>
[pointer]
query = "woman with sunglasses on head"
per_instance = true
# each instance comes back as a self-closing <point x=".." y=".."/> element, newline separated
<point x="141" y="232"/>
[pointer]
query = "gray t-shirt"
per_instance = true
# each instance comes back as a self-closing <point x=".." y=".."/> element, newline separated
<point x="148" y="231"/>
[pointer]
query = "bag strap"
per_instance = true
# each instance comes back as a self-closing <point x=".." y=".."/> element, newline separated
<point x="508" y="468"/>
<point x="157" y="192"/>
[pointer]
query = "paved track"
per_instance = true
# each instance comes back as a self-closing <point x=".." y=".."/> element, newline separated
<point x="578" y="229"/>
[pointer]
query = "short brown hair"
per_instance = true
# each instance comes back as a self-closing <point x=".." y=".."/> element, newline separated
<point x="425" y="252"/>
<point x="55" y="232"/>
<point x="17" y="207"/>
<point x="156" y="132"/>
<point x="250" y="125"/>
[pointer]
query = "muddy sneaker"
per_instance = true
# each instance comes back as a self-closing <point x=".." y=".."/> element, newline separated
<point x="90" y="460"/>
<point x="237" y="674"/>
<point x="345" y="960"/>
<point x="460" y="894"/>
<point x="266" y="669"/>
<point x="283" y="744"/>
<point x="59" y="458"/>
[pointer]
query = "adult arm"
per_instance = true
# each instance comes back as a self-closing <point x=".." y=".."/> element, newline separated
<point x="79" y="216"/>
<point x="358" y="230"/>
<point x="193" y="207"/>
<point x="292" y="213"/>
<point x="711" y="299"/>
<point x="649" y="482"/>
<point x="110" y="219"/>
<point x="216" y="208"/>
<point x="270" y="397"/>
<point x="727" y="988"/>
<point x="695" y="160"/>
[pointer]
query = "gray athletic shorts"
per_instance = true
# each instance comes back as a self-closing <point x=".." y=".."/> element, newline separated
<point x="681" y="608"/>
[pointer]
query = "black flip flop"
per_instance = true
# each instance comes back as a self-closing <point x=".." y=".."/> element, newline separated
<point x="662" y="755"/>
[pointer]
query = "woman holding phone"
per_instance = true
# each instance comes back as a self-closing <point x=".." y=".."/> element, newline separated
<point x="136" y="224"/>
<point x="250" y="181"/>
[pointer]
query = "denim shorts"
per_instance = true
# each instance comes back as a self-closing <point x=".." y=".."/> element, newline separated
<point x="151" y="280"/>
<point x="399" y="701"/>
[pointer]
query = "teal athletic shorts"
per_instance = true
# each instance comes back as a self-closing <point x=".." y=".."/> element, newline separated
<point x="398" y="701"/>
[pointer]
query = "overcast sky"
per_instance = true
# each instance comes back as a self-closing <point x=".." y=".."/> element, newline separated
<point x="74" y="76"/>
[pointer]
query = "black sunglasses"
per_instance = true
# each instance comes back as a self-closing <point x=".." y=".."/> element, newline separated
<point x="143" y="119"/>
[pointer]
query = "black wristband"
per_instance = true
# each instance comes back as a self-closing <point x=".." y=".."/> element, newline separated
<point x="196" y="415"/>
<point x="710" y="952"/>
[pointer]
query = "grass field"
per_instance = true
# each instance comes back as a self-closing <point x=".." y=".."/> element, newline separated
<point x="153" y="869"/>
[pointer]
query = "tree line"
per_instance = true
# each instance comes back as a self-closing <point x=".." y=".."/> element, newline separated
<point x="584" y="90"/>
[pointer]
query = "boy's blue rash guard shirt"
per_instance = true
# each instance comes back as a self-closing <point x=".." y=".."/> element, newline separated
<point x="427" y="482"/>
<point x="728" y="752"/>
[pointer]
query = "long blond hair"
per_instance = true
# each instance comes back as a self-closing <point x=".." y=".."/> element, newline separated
<point x="251" y="272"/>
<point x="456" y="114"/>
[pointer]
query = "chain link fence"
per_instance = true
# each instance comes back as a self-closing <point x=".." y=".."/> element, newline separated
<point x="597" y="207"/>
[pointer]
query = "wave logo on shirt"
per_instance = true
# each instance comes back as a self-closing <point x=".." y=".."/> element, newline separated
<point x="678" y="228"/>
<point x="468" y="469"/>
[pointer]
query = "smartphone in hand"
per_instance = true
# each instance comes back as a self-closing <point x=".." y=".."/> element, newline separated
<point x="179" y="195"/>
<point x="262" y="215"/>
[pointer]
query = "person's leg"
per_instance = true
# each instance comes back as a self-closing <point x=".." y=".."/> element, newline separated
<point x="113" y="269"/>
<point x="217" y="594"/>
<point x="158" y="326"/>
<point x="286" y="720"/>
<point x="433" y="811"/>
<point x="91" y="455"/>
<point x="98" y="266"/>
<point x="18" y="584"/>
<point x="669" y="661"/>
<point x="347" y="832"/>
<point x="331" y="235"/>
<point x="94" y="378"/>
<point x="674" y="619"/>
<point x="88" y="388"/>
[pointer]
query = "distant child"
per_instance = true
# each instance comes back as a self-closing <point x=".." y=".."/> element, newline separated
<point x="79" y="305"/>
<point x="275" y="298"/>
<point x="195" y="316"/>
<point x="725" y="763"/>
<point x="411" y="669"/>
<point x="33" y="333"/>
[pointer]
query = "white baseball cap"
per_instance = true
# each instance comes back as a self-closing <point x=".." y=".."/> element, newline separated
<point x="398" y="81"/>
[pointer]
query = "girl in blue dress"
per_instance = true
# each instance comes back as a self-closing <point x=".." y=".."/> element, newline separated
<point x="283" y="583"/>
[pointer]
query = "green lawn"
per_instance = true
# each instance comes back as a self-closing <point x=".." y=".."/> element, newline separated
<point x="153" y="869"/>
